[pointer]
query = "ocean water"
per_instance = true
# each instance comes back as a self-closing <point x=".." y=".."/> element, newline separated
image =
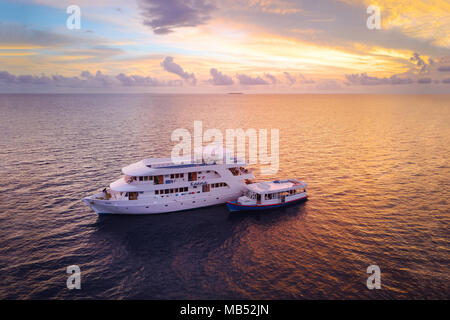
<point x="377" y="167"/>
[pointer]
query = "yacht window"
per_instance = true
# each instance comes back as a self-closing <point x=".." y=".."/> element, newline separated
<point x="186" y="189"/>
<point x="166" y="191"/>
<point x="132" y="196"/>
<point x="145" y="178"/>
<point x="141" y="178"/>
<point x="172" y="176"/>
<point x="171" y="190"/>
<point x="159" y="179"/>
<point x="192" y="176"/>
<point x="150" y="178"/>
<point x="156" y="191"/>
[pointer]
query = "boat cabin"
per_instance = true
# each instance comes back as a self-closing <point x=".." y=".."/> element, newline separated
<point x="273" y="192"/>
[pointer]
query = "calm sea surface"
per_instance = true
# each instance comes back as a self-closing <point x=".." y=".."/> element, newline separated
<point x="379" y="187"/>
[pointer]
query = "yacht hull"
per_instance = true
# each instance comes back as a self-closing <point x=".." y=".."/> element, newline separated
<point x="137" y="207"/>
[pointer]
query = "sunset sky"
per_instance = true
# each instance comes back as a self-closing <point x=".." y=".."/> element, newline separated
<point x="201" y="46"/>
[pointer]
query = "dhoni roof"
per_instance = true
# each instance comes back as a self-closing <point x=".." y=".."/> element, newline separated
<point x="276" y="186"/>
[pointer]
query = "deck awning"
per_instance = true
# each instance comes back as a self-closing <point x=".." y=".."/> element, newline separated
<point x="275" y="186"/>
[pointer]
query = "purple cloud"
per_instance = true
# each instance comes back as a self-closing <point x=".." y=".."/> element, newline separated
<point x="365" y="80"/>
<point x="444" y="69"/>
<point x="399" y="80"/>
<point x="272" y="78"/>
<point x="250" y="81"/>
<point x="85" y="80"/>
<point x="163" y="16"/>
<point x="304" y="80"/>
<point x="172" y="67"/>
<point x="424" y="81"/>
<point x="219" y="79"/>
<point x="419" y="62"/>
<point x="135" y="80"/>
<point x="8" y="79"/>
<point x="291" y="79"/>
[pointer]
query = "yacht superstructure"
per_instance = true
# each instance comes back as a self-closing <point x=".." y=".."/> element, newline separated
<point x="153" y="186"/>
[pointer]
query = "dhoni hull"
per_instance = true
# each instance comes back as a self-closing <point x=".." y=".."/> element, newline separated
<point x="233" y="206"/>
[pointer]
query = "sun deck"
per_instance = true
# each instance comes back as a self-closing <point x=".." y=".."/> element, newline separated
<point x="275" y="186"/>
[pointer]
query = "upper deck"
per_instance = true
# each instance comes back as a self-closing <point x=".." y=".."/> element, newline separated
<point x="275" y="186"/>
<point x="166" y="165"/>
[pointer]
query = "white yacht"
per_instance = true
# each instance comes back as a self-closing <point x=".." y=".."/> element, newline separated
<point x="159" y="185"/>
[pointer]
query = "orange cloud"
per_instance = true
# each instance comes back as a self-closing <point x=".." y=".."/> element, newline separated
<point x="426" y="20"/>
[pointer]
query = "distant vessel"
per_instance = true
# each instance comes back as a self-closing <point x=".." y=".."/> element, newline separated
<point x="269" y="194"/>
<point x="158" y="185"/>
